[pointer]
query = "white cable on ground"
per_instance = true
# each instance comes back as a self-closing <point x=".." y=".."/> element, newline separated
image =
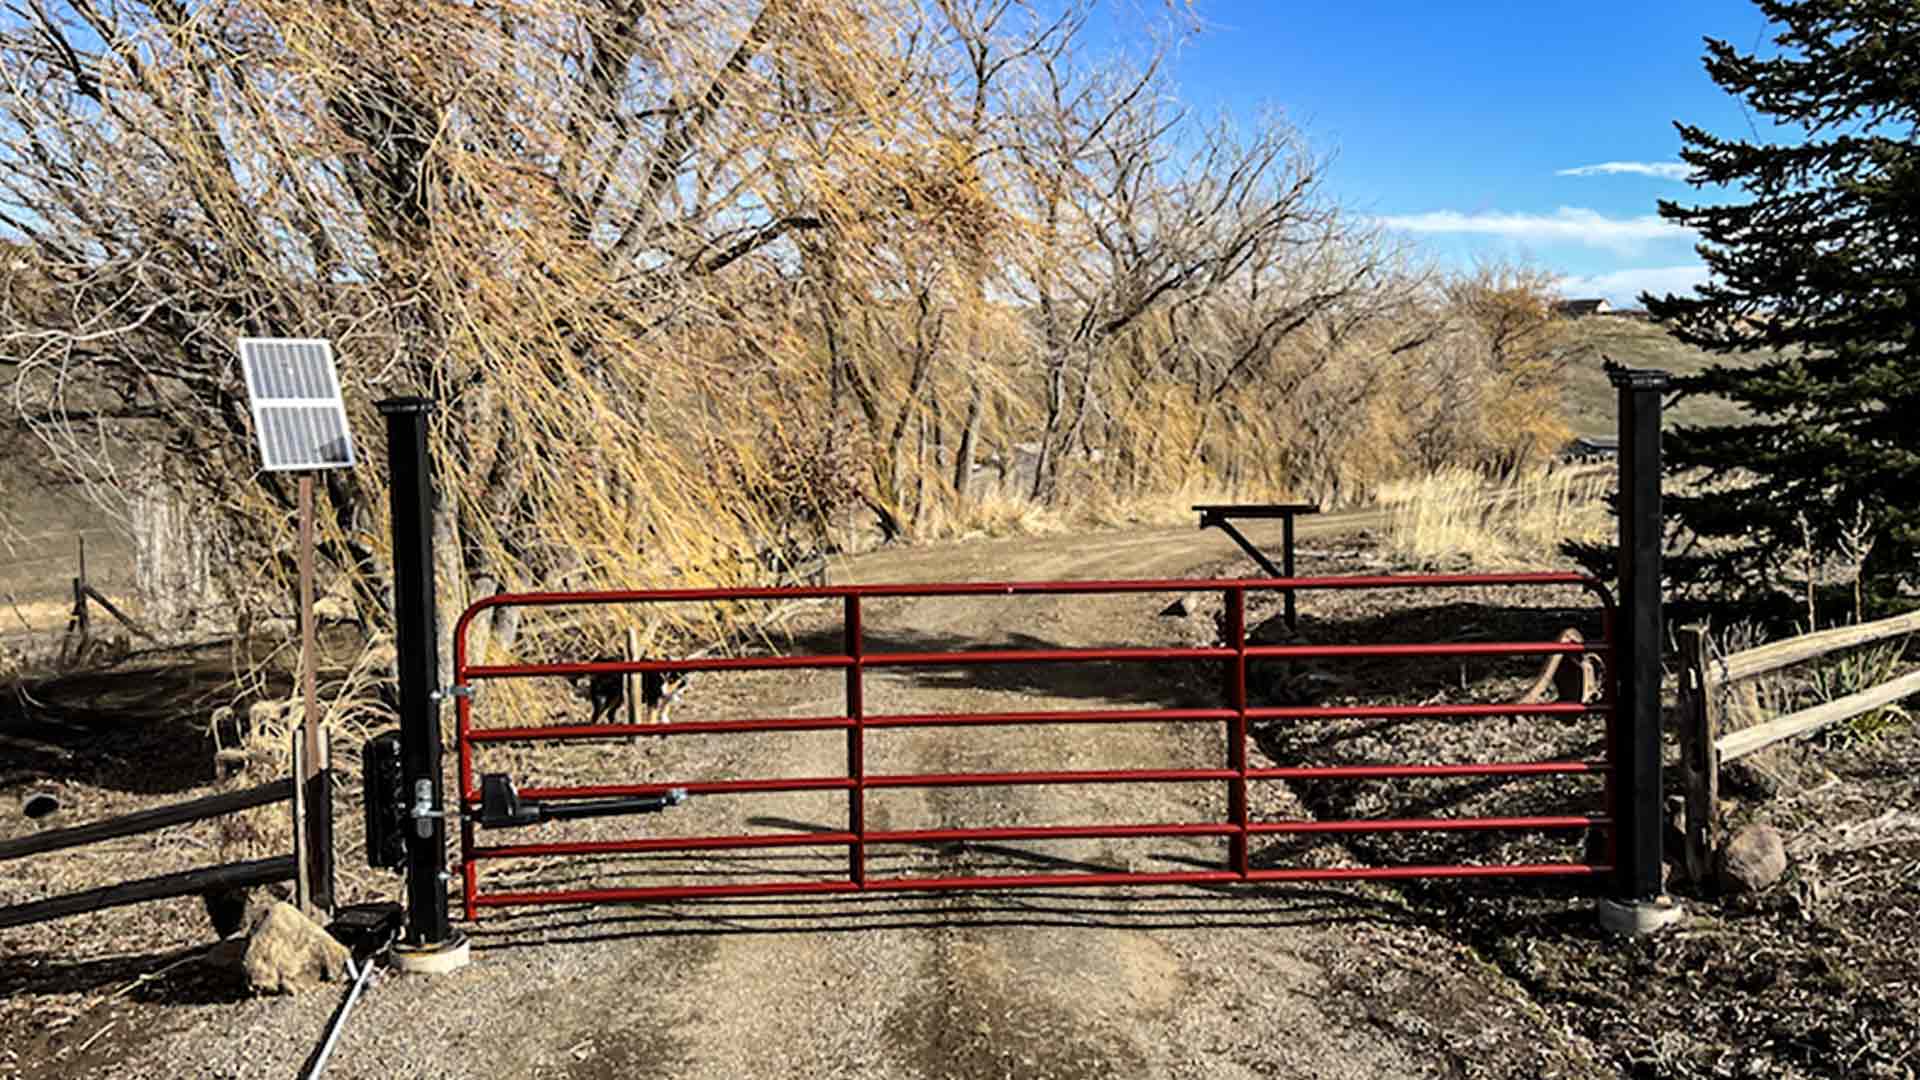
<point x="340" y="1018"/>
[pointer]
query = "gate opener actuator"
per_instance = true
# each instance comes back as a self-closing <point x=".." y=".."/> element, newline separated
<point x="501" y="806"/>
<point x="392" y="817"/>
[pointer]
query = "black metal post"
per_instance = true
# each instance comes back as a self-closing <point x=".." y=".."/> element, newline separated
<point x="1286" y="564"/>
<point x="416" y="645"/>
<point x="1636" y="720"/>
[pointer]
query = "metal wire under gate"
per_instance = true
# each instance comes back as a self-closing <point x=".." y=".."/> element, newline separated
<point x="1235" y="773"/>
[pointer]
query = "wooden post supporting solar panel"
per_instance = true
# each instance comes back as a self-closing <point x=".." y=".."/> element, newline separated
<point x="316" y="775"/>
<point x="300" y="421"/>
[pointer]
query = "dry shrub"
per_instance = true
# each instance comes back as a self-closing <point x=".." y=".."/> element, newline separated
<point x="351" y="709"/>
<point x="1458" y="513"/>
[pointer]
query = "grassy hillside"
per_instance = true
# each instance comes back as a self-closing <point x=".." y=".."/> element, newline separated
<point x="1590" y="399"/>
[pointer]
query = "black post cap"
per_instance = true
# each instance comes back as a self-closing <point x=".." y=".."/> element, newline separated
<point x="1627" y="378"/>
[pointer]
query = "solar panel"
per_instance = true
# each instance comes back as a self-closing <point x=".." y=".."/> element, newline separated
<point x="298" y="415"/>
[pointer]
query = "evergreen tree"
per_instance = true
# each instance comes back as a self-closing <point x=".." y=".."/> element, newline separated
<point x="1817" y="277"/>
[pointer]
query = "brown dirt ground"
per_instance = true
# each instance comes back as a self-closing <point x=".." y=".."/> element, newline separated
<point x="1815" y="978"/>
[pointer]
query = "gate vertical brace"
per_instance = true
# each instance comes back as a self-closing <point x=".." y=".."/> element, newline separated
<point x="463" y="724"/>
<point x="429" y="943"/>
<point x="1636" y="729"/>
<point x="856" y="745"/>
<point x="1237" y="730"/>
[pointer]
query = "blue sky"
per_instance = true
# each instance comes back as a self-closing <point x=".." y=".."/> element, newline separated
<point x="1491" y="130"/>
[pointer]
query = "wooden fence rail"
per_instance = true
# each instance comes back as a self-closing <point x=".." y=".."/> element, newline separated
<point x="1703" y="748"/>
<point x="1776" y="655"/>
<point x="319" y="860"/>
<point x="1760" y="736"/>
<point x="147" y="820"/>
<point x="186" y="883"/>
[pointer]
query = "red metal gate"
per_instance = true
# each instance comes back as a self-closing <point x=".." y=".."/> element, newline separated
<point x="1236" y="772"/>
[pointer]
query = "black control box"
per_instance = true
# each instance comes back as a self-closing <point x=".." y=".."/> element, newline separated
<point x="386" y="802"/>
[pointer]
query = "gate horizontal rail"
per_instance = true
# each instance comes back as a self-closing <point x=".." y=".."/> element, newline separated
<point x="982" y="657"/>
<point x="1029" y="832"/>
<point x="769" y="889"/>
<point x="1237" y="773"/>
<point x="576" y="732"/>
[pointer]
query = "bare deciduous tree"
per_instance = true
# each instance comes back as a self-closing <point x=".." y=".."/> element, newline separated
<point x="688" y="279"/>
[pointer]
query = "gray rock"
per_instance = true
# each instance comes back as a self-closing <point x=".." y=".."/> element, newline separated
<point x="1752" y="859"/>
<point x="287" y="952"/>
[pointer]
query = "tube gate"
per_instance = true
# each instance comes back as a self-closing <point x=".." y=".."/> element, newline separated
<point x="1235" y="772"/>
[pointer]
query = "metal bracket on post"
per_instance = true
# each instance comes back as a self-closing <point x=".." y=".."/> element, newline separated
<point x="429" y="945"/>
<point x="425" y="810"/>
<point x="1218" y="517"/>
<point x="1638" y="904"/>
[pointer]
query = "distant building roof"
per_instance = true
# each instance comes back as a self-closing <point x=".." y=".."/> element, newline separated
<point x="1583" y="307"/>
<point x="1591" y="448"/>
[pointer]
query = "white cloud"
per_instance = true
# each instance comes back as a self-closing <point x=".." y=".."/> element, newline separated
<point x="1664" y="170"/>
<point x="1622" y="288"/>
<point x="1567" y="225"/>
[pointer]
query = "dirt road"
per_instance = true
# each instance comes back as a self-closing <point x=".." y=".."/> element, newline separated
<point x="1236" y="982"/>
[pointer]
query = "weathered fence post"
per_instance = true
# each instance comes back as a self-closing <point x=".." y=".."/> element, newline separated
<point x="1638" y="904"/>
<point x="429" y="944"/>
<point x="1699" y="757"/>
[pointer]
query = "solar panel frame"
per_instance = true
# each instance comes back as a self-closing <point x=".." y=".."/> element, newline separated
<point x="299" y="417"/>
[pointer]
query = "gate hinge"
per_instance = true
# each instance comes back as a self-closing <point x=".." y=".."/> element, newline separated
<point x="457" y="690"/>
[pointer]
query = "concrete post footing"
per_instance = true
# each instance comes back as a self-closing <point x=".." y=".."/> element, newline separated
<point x="1637" y="918"/>
<point x="447" y="956"/>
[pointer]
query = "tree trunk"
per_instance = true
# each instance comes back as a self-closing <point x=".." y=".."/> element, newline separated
<point x="173" y="556"/>
<point x="963" y="453"/>
<point x="1046" y="463"/>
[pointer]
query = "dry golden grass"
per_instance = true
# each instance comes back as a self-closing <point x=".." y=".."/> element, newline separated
<point x="998" y="513"/>
<point x="38" y="616"/>
<point x="1172" y="506"/>
<point x="1456" y="512"/>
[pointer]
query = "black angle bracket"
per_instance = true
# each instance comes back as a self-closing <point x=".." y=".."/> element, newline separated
<point x="502" y="808"/>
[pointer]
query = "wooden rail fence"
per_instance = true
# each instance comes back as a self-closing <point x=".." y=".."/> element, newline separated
<point x="318" y="860"/>
<point x="1703" y="748"/>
